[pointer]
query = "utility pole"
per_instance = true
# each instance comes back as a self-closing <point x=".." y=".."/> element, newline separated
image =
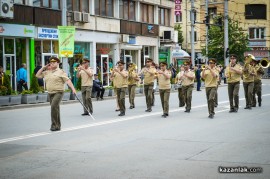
<point x="226" y="33"/>
<point x="65" y="64"/>
<point x="206" y="31"/>
<point x="192" y="32"/>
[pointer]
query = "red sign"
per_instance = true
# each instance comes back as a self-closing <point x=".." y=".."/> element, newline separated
<point x="177" y="7"/>
<point x="104" y="50"/>
<point x="257" y="53"/>
<point x="177" y="13"/>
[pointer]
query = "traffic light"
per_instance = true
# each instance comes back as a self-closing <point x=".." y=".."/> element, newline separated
<point x="206" y="20"/>
<point x="227" y="53"/>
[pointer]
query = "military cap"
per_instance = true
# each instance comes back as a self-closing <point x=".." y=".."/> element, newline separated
<point x="187" y="62"/>
<point x="85" y="60"/>
<point x="233" y="56"/>
<point x="163" y="63"/>
<point x="121" y="62"/>
<point x="212" y="60"/>
<point x="54" y="59"/>
<point x="149" y="60"/>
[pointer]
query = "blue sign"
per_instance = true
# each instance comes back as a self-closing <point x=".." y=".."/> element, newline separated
<point x="47" y="33"/>
<point x="132" y="40"/>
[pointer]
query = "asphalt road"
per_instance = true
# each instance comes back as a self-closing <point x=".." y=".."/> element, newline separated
<point x="140" y="144"/>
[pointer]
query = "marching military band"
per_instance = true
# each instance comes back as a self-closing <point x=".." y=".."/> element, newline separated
<point x="251" y="73"/>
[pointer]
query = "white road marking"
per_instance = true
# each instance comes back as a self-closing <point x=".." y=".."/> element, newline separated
<point x="104" y="123"/>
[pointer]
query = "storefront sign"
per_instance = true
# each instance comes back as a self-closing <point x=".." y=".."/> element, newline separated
<point x="17" y="30"/>
<point x="257" y="43"/>
<point x="79" y="49"/>
<point x="103" y="50"/>
<point x="260" y="48"/>
<point x="177" y="9"/>
<point x="66" y="40"/>
<point x="257" y="53"/>
<point x="47" y="33"/>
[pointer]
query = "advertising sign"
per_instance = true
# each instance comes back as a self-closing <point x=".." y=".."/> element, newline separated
<point x="17" y="30"/>
<point x="66" y="40"/>
<point x="177" y="9"/>
<point x="47" y="33"/>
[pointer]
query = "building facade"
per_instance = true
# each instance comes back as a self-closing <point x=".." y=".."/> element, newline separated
<point x="106" y="31"/>
<point x="253" y="16"/>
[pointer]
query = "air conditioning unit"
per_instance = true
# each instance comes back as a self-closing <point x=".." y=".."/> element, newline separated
<point x="85" y="17"/>
<point x="167" y="35"/>
<point x="77" y="16"/>
<point x="6" y="9"/>
<point x="125" y="38"/>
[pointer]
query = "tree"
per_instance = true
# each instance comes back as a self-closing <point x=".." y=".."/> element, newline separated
<point x="238" y="41"/>
<point x="6" y="83"/>
<point x="178" y="28"/>
<point x="34" y="84"/>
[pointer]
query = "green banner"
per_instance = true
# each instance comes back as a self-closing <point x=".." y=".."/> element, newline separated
<point x="66" y="40"/>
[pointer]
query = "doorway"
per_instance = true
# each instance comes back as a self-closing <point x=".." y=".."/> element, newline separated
<point x="10" y="70"/>
<point x="127" y="60"/>
<point x="46" y="57"/>
<point x="103" y="69"/>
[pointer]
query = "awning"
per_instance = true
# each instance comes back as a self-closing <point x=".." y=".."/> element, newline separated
<point x="180" y="54"/>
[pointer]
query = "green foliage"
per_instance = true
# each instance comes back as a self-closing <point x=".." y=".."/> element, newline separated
<point x="180" y="33"/>
<point x="34" y="84"/>
<point x="3" y="91"/>
<point x="109" y="87"/>
<point x="7" y="84"/>
<point x="27" y="92"/>
<point x="238" y="41"/>
<point x="79" y="84"/>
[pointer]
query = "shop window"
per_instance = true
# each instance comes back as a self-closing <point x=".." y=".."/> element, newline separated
<point x="46" y="46"/>
<point x="9" y="46"/>
<point x="256" y="33"/>
<point x="164" y="16"/>
<point x="78" y="5"/>
<point x="127" y="9"/>
<point x="37" y="52"/>
<point x="255" y="11"/>
<point x="104" y="8"/>
<point x="54" y="4"/>
<point x="55" y="47"/>
<point x="147" y="13"/>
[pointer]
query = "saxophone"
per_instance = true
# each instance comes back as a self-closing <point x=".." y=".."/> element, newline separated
<point x="131" y="69"/>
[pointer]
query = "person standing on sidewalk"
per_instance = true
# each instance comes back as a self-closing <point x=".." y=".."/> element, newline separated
<point x="22" y="78"/>
<point x="55" y="80"/>
<point x="188" y="84"/>
<point x="120" y="76"/>
<point x="210" y="76"/>
<point x="233" y="74"/>
<point x="149" y="76"/>
<point x="86" y="74"/>
<point x="164" y="83"/>
<point x="98" y="87"/>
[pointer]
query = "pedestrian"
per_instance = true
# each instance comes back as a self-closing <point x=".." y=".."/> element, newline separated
<point x="188" y="84"/>
<point x="132" y="83"/>
<point x="210" y="76"/>
<point x="178" y="81"/>
<point x="149" y="76"/>
<point x="22" y="78"/>
<point x="120" y="76"/>
<point x="40" y="81"/>
<point x="98" y="87"/>
<point x="248" y="80"/>
<point x="164" y="82"/>
<point x="257" y="90"/>
<point x="55" y="80"/>
<point x="86" y="75"/>
<point x="2" y="74"/>
<point x="198" y="77"/>
<point x="233" y="74"/>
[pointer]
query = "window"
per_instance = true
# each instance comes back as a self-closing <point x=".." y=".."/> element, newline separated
<point x="53" y="4"/>
<point x="104" y="7"/>
<point x="195" y="15"/>
<point x="255" y="11"/>
<point x="78" y="5"/>
<point x="147" y="13"/>
<point x="195" y="36"/>
<point x="164" y="16"/>
<point x="127" y="9"/>
<point x="19" y="2"/>
<point x="256" y="33"/>
<point x="178" y="18"/>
